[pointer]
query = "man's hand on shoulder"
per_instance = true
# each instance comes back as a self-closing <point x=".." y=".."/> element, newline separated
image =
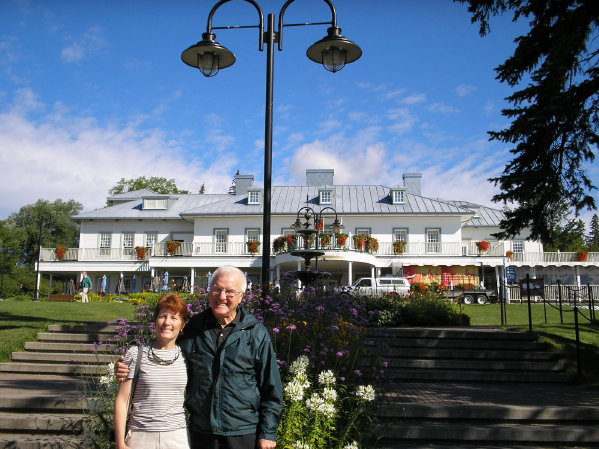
<point x="121" y="370"/>
<point x="266" y="444"/>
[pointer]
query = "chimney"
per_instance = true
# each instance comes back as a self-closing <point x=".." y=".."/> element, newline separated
<point x="243" y="183"/>
<point x="319" y="177"/>
<point x="413" y="183"/>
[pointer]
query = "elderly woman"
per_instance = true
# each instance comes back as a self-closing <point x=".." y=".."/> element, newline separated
<point x="157" y="419"/>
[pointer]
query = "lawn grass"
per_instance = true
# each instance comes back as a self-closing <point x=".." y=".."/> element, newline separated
<point x="20" y="321"/>
<point x="562" y="337"/>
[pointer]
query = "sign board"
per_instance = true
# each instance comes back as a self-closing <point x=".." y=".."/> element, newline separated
<point x="536" y="286"/>
<point x="510" y="275"/>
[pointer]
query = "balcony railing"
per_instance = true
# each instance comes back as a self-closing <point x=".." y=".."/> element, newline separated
<point x="411" y="249"/>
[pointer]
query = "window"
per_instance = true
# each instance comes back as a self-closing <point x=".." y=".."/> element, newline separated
<point x="433" y="240"/>
<point x="151" y="238"/>
<point x="326" y="196"/>
<point x="252" y="235"/>
<point x="364" y="283"/>
<point x="518" y="246"/>
<point x="400" y="234"/>
<point x="221" y="237"/>
<point x="398" y="196"/>
<point x="154" y="203"/>
<point x="253" y="197"/>
<point x="128" y="238"/>
<point x="289" y="231"/>
<point x="105" y="240"/>
<point x="362" y="231"/>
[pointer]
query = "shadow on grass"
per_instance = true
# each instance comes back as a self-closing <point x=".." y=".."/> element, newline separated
<point x="566" y="349"/>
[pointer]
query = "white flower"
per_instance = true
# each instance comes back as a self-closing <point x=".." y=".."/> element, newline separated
<point x="318" y="404"/>
<point x="329" y="394"/>
<point x="299" y="445"/>
<point x="299" y="366"/>
<point x="365" y="392"/>
<point x="352" y="445"/>
<point x="296" y="389"/>
<point x="326" y="378"/>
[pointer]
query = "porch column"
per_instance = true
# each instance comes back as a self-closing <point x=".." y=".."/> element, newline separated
<point x="192" y="281"/>
<point x="373" y="272"/>
<point x="51" y="278"/>
<point x="350" y="274"/>
<point x="152" y="272"/>
<point x="278" y="273"/>
<point x="577" y="275"/>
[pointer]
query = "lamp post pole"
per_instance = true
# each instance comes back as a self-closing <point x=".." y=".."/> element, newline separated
<point x="36" y="295"/>
<point x="333" y="52"/>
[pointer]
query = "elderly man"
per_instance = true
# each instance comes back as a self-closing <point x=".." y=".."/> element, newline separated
<point x="234" y="392"/>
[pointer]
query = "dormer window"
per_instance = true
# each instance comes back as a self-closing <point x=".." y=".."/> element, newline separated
<point x="154" y="203"/>
<point x="476" y="210"/>
<point x="398" y="196"/>
<point x="325" y="196"/>
<point x="254" y="197"/>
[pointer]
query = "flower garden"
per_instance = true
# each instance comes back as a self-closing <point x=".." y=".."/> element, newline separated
<point x="320" y="338"/>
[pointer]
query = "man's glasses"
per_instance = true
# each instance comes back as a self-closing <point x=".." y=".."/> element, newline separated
<point x="228" y="293"/>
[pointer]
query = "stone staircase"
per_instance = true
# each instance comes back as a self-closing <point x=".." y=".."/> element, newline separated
<point x="478" y="387"/>
<point x="40" y="389"/>
<point x="447" y="388"/>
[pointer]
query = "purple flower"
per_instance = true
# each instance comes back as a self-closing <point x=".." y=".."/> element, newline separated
<point x="358" y="373"/>
<point x="275" y="330"/>
<point x="385" y="364"/>
<point x="320" y="308"/>
<point x="339" y="354"/>
<point x="291" y="327"/>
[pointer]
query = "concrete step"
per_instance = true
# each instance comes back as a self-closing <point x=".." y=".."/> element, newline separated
<point x="43" y="403"/>
<point x="42" y="423"/>
<point x="398" y="342"/>
<point x="480" y="365"/>
<point x="452" y="353"/>
<point x="537" y="433"/>
<point x="51" y="368"/>
<point x="470" y="332"/>
<point x="445" y="375"/>
<point x="494" y="413"/>
<point x="72" y="337"/>
<point x="58" y="357"/>
<point x="21" y="441"/>
<point x="41" y="346"/>
<point x="88" y="328"/>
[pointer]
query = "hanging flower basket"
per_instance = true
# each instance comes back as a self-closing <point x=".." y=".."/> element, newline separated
<point x="372" y="244"/>
<point x="141" y="252"/>
<point x="483" y="246"/>
<point x="320" y="225"/>
<point x="278" y="244"/>
<point x="360" y="242"/>
<point x="172" y="247"/>
<point x="290" y="241"/>
<point x="325" y="240"/>
<point x="60" y="252"/>
<point x="341" y="239"/>
<point x="253" y="246"/>
<point x="399" y="246"/>
<point x="582" y="256"/>
<point x="509" y="255"/>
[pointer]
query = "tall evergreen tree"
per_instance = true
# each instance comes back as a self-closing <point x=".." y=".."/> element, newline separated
<point x="593" y="237"/>
<point x="555" y="114"/>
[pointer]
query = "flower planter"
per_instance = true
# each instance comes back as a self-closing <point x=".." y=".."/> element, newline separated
<point x="483" y="246"/>
<point x="253" y="246"/>
<point x="60" y="252"/>
<point x="141" y="252"/>
<point x="582" y="256"/>
<point x="341" y="239"/>
<point x="399" y="247"/>
<point x="172" y="247"/>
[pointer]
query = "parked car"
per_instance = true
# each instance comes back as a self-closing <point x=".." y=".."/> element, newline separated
<point x="379" y="286"/>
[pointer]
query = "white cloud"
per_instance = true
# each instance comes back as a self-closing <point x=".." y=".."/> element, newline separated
<point x="443" y="108"/>
<point x="403" y="120"/>
<point x="63" y="156"/>
<point x="413" y="99"/>
<point x="465" y="89"/>
<point x="78" y="50"/>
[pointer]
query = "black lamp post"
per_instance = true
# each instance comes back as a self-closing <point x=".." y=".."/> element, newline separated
<point x="333" y="52"/>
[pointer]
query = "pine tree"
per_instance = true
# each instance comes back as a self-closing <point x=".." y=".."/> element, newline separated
<point x="555" y="115"/>
<point x="593" y="237"/>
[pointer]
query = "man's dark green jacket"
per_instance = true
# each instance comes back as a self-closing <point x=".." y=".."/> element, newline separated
<point x="237" y="390"/>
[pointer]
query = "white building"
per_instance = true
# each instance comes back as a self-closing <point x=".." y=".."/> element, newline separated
<point x="213" y="229"/>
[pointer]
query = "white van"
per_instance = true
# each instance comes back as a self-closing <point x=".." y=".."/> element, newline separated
<point x="382" y="285"/>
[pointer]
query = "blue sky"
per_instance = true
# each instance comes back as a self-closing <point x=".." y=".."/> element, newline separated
<point x="93" y="91"/>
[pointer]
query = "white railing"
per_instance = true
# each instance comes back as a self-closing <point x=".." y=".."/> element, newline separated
<point x="551" y="293"/>
<point x="190" y="249"/>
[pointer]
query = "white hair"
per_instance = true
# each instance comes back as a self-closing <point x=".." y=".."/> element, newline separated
<point x="230" y="269"/>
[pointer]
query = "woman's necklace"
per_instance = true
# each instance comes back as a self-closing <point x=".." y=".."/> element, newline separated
<point x="160" y="361"/>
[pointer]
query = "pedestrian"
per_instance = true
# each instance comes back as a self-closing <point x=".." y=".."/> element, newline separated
<point x="157" y="418"/>
<point x="234" y="393"/>
<point x="86" y="284"/>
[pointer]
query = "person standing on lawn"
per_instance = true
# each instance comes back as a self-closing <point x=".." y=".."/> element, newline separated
<point x="86" y="284"/>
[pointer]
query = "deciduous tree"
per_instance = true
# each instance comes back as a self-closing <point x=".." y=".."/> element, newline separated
<point x="155" y="184"/>
<point x="554" y="115"/>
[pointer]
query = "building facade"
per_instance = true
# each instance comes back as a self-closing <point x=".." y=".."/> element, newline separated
<point x="145" y="239"/>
